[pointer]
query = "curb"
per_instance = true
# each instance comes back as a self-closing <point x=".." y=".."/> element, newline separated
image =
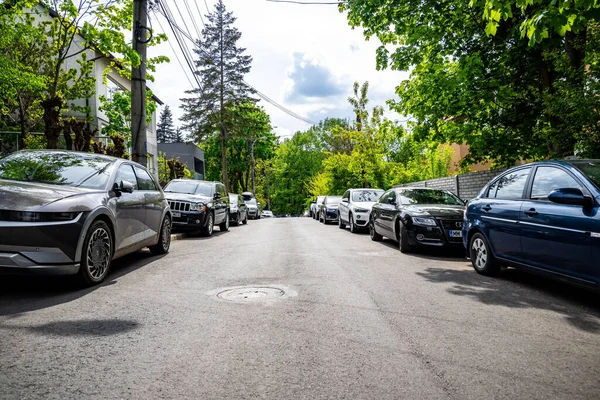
<point x="177" y="236"/>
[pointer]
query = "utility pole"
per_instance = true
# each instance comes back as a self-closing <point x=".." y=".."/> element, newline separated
<point x="252" y="141"/>
<point x="138" y="83"/>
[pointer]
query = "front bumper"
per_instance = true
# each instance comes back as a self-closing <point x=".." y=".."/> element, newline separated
<point x="331" y="215"/>
<point x="189" y="220"/>
<point x="435" y="236"/>
<point x="361" y="219"/>
<point x="252" y="212"/>
<point x="45" y="248"/>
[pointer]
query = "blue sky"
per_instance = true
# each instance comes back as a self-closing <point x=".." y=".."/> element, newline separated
<point x="306" y="58"/>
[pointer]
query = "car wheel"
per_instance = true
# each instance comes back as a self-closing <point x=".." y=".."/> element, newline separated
<point x="481" y="256"/>
<point x="403" y="244"/>
<point x="224" y="226"/>
<point x="164" y="241"/>
<point x="351" y="223"/>
<point x="245" y="221"/>
<point x="236" y="221"/>
<point x="341" y="224"/>
<point x="209" y="228"/>
<point x="376" y="237"/>
<point x="96" y="254"/>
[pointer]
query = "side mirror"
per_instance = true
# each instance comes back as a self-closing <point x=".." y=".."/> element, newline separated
<point x="345" y="201"/>
<point x="570" y="196"/>
<point x="124" y="187"/>
<point x="217" y="196"/>
<point x="391" y="201"/>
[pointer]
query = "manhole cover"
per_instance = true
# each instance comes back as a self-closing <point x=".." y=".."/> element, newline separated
<point x="249" y="294"/>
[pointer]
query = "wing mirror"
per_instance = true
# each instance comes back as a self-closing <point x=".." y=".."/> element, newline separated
<point x="391" y="201"/>
<point x="217" y="196"/>
<point x="123" y="187"/>
<point x="345" y="201"/>
<point x="570" y="196"/>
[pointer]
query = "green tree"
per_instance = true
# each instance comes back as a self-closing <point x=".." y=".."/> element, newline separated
<point x="506" y="98"/>
<point x="359" y="102"/>
<point x="221" y="64"/>
<point x="165" y="130"/>
<point x="71" y="30"/>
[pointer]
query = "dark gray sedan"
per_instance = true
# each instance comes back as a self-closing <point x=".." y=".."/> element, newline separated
<point x="67" y="213"/>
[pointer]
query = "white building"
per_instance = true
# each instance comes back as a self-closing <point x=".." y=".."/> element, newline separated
<point x="114" y="81"/>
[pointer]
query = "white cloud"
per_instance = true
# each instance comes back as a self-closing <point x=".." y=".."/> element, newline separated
<point x="333" y="56"/>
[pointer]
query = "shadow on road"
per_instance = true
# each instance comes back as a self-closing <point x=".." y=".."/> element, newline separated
<point x="431" y="253"/>
<point x="95" y="327"/>
<point x="518" y="289"/>
<point x="20" y="294"/>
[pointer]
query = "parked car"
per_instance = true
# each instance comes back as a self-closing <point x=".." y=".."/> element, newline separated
<point x="418" y="217"/>
<point x="355" y="208"/>
<point x="198" y="205"/>
<point x="254" y="211"/>
<point x="69" y="213"/>
<point x="317" y="207"/>
<point x="541" y="217"/>
<point x="312" y="209"/>
<point x="267" y="214"/>
<point x="238" y="210"/>
<point x="329" y="209"/>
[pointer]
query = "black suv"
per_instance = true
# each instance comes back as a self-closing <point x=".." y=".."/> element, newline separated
<point x="198" y="205"/>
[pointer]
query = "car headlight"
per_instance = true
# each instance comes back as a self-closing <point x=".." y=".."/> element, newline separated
<point x="361" y="210"/>
<point x="424" y="221"/>
<point x="197" y="207"/>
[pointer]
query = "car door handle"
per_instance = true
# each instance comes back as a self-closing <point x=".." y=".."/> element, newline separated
<point x="486" y="208"/>
<point x="531" y="212"/>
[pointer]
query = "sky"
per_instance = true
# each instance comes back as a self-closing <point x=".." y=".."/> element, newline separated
<point x="305" y="57"/>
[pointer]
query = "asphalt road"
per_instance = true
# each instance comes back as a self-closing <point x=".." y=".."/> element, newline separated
<point x="354" y="319"/>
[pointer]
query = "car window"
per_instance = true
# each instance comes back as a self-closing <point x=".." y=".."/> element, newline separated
<point x="510" y="186"/>
<point x="549" y="178"/>
<point x="333" y="200"/>
<point x="428" y="196"/>
<point x="591" y="169"/>
<point x="392" y="197"/>
<point x="125" y="173"/>
<point x="58" y="168"/>
<point x="346" y="195"/>
<point x="144" y="180"/>
<point x="384" y="197"/>
<point x="366" y="195"/>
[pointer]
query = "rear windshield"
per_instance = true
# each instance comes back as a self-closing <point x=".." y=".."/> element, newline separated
<point x="429" y="196"/>
<point x="191" y="187"/>
<point x="58" y="168"/>
<point x="332" y="201"/>
<point x="366" y="195"/>
<point x="591" y="169"/>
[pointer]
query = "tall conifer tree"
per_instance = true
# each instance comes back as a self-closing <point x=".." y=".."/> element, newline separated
<point x="165" y="130"/>
<point x="221" y="66"/>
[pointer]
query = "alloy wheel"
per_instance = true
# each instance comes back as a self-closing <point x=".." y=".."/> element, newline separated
<point x="166" y="233"/>
<point x="351" y="223"/>
<point x="481" y="254"/>
<point x="210" y="224"/>
<point x="98" y="253"/>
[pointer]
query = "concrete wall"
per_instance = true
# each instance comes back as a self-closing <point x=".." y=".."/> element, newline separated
<point x="466" y="186"/>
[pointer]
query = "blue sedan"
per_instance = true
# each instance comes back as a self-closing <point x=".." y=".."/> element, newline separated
<point x="541" y="217"/>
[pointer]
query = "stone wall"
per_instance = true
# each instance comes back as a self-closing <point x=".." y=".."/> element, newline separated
<point x="466" y="186"/>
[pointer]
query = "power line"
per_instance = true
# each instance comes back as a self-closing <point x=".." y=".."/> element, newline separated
<point x="185" y="2"/>
<point x="199" y="13"/>
<point x="174" y="52"/>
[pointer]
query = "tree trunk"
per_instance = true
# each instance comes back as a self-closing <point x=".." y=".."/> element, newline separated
<point x="23" y="128"/>
<point x="52" y="127"/>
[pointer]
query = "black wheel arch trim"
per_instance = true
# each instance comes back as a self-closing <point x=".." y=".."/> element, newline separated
<point x="103" y="213"/>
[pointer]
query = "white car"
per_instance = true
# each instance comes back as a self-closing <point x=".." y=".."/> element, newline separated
<point x="355" y="208"/>
<point x="267" y="214"/>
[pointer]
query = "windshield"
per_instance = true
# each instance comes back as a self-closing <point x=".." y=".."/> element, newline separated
<point x="320" y="199"/>
<point x="591" y="169"/>
<point x="58" y="168"/>
<point x="333" y="201"/>
<point x="366" y="195"/>
<point x="429" y="196"/>
<point x="251" y="202"/>
<point x="189" y="187"/>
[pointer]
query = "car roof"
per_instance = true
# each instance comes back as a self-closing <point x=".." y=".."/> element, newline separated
<point x="355" y="189"/>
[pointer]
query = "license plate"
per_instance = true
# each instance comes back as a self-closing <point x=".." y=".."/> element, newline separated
<point x="456" y="234"/>
<point x="176" y="215"/>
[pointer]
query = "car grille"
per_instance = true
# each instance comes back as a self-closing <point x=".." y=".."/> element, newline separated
<point x="179" y="205"/>
<point x="452" y="225"/>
